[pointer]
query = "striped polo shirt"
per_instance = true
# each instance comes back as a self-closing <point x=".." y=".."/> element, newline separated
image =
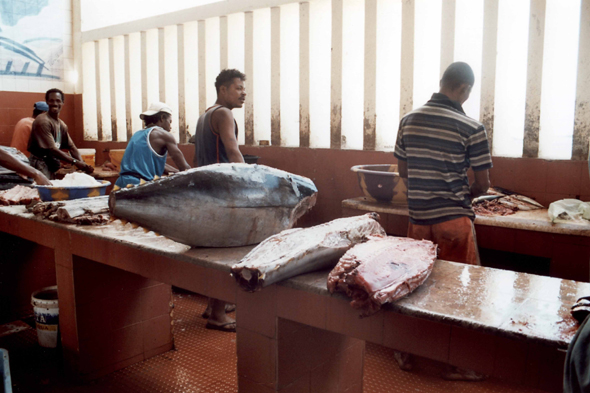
<point x="439" y="143"/>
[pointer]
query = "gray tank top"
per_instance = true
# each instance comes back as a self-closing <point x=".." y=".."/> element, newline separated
<point x="209" y="148"/>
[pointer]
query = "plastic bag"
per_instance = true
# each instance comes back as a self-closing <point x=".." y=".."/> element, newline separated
<point x="569" y="209"/>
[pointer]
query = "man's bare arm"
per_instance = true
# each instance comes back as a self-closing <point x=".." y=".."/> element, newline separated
<point x="481" y="184"/>
<point x="224" y="124"/>
<point x="8" y="161"/>
<point x="174" y="151"/>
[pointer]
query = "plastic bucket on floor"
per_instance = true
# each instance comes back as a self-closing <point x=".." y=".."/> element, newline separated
<point x="46" y="310"/>
<point x="5" y="371"/>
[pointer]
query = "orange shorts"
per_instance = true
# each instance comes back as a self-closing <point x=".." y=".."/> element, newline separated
<point x="455" y="239"/>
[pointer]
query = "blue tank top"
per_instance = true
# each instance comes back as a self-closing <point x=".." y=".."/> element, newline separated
<point x="140" y="161"/>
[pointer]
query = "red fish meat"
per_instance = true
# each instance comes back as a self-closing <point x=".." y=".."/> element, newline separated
<point x="382" y="270"/>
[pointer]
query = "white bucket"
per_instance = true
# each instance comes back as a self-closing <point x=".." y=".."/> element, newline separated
<point x="46" y="310"/>
<point x="88" y="156"/>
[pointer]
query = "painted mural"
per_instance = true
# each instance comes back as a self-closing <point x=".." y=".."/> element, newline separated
<point x="31" y="38"/>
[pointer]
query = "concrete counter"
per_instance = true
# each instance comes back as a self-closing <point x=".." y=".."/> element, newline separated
<point x="114" y="288"/>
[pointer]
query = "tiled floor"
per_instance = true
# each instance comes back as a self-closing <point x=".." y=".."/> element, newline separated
<point x="205" y="362"/>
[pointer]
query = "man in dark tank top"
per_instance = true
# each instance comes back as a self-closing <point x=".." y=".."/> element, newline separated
<point x="216" y="141"/>
<point x="216" y="138"/>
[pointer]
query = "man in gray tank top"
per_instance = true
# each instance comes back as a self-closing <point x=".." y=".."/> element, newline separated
<point x="216" y="141"/>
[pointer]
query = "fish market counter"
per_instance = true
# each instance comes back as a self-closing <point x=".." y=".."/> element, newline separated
<point x="565" y="243"/>
<point x="115" y="310"/>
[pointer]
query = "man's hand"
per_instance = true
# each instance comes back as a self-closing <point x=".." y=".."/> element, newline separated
<point x="84" y="166"/>
<point x="41" y="180"/>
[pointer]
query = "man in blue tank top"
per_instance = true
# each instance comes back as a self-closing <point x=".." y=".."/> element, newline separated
<point x="216" y="141"/>
<point x="146" y="152"/>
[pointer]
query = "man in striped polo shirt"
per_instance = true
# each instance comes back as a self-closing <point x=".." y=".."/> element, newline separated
<point x="436" y="145"/>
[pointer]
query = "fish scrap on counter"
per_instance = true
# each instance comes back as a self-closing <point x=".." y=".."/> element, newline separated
<point x="501" y="202"/>
<point x="18" y="195"/>
<point x="302" y="250"/>
<point x="84" y="211"/>
<point x="382" y="270"/>
<point x="220" y="205"/>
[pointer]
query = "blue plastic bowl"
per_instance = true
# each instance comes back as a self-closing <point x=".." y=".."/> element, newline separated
<point x="49" y="193"/>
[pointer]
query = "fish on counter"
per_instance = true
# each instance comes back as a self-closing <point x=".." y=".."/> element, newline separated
<point x="382" y="270"/>
<point x="501" y="202"/>
<point x="302" y="250"/>
<point x="83" y="211"/>
<point x="220" y="205"/>
<point x="18" y="195"/>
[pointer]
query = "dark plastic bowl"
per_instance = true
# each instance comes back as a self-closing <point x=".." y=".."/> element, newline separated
<point x="381" y="183"/>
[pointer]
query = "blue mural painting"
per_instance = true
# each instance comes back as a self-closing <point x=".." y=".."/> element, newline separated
<point x="31" y="38"/>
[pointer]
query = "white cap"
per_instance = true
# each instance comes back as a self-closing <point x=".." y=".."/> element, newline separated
<point x="156" y="107"/>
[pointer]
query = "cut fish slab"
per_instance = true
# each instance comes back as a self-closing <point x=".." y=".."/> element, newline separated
<point x="302" y="250"/>
<point x="382" y="270"/>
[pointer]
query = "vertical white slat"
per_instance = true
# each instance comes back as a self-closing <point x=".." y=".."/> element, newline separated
<point x="128" y="122"/>
<point x="530" y="147"/>
<point x="182" y="130"/>
<point x="77" y="46"/>
<point x="304" y="75"/>
<point x="191" y="76"/>
<point x="170" y="56"/>
<point x="336" y="77"/>
<point x="213" y="65"/>
<point x="235" y="59"/>
<point x="144" y="75"/>
<point x="389" y="33"/>
<point x="223" y="45"/>
<point x="105" y="89"/>
<point x="89" y="104"/>
<point x="202" y="65"/>
<point x="289" y="75"/>
<point x="407" y="68"/>
<point x="98" y="95"/>
<point x="113" y="90"/>
<point x="447" y="38"/>
<point x="370" y="115"/>
<point x="275" y="76"/>
<point x="162" y="63"/>
<point x="249" y="70"/>
<point x="488" y="67"/>
<point x="582" y="115"/>
<point x="560" y="69"/>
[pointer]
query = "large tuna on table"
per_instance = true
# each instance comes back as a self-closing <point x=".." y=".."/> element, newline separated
<point x="219" y="205"/>
<point x="301" y="250"/>
<point x="382" y="270"/>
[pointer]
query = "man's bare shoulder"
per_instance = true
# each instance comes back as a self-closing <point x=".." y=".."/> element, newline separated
<point x="222" y="113"/>
<point x="161" y="133"/>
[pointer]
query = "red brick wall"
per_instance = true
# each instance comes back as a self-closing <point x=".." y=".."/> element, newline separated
<point x="16" y="105"/>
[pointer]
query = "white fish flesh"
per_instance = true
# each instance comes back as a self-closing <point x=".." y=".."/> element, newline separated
<point x="301" y="250"/>
<point x="382" y="270"/>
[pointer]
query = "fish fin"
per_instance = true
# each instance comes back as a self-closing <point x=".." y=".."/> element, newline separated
<point x="156" y="177"/>
<point x="156" y="233"/>
<point x="134" y="225"/>
<point x="124" y="222"/>
<point x="129" y="186"/>
<point x="116" y="188"/>
<point x="142" y="182"/>
<point x="145" y="230"/>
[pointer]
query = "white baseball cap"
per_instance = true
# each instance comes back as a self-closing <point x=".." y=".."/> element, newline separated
<point x="156" y="107"/>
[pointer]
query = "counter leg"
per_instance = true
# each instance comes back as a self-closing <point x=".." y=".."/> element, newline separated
<point x="109" y="318"/>
<point x="278" y="355"/>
